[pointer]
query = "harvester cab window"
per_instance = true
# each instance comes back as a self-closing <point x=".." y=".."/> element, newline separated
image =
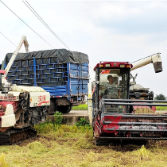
<point x="113" y="83"/>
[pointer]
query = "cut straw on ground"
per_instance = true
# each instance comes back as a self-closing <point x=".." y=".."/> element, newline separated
<point x="72" y="146"/>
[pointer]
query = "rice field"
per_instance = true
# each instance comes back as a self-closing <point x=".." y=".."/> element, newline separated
<point x="72" y="146"/>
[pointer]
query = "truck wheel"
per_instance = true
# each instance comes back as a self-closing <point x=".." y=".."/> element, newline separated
<point x="64" y="109"/>
<point x="51" y="108"/>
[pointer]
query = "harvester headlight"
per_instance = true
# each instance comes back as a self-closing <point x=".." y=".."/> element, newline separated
<point x="107" y="65"/>
<point x="122" y="65"/>
<point x="128" y="66"/>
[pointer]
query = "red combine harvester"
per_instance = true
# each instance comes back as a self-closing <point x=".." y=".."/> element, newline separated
<point x="113" y="115"/>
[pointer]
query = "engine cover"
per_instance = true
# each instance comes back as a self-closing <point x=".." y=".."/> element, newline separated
<point x="39" y="99"/>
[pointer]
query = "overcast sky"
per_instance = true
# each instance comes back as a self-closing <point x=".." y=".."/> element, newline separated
<point x="106" y="31"/>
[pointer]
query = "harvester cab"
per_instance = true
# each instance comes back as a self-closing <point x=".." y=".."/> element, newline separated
<point x="112" y="82"/>
<point x="116" y="117"/>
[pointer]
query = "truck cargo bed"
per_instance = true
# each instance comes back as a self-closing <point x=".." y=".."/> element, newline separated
<point x="60" y="72"/>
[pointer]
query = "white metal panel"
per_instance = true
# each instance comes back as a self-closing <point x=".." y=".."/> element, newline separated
<point x="11" y="96"/>
<point x="8" y="119"/>
<point x="90" y="108"/>
<point x="14" y="93"/>
<point x="39" y="99"/>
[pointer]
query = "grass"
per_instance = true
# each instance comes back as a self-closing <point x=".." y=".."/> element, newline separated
<point x="85" y="107"/>
<point x="72" y="146"/>
<point x="80" y="107"/>
<point x="161" y="108"/>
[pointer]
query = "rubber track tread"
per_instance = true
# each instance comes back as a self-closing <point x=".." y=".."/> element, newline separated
<point x="16" y="135"/>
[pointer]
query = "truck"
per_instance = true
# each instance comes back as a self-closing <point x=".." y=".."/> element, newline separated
<point x="111" y="112"/>
<point x="21" y="107"/>
<point x="62" y="73"/>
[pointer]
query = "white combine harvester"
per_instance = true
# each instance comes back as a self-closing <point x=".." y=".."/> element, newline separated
<point x="20" y="106"/>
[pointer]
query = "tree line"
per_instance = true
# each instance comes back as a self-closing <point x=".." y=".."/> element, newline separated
<point x="160" y="97"/>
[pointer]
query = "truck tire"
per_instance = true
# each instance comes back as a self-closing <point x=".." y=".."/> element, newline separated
<point x="64" y="109"/>
<point x="51" y="108"/>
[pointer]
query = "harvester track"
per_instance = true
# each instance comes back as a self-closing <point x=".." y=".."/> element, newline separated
<point x="16" y="136"/>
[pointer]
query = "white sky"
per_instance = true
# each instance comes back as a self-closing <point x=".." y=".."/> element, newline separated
<point x="105" y="30"/>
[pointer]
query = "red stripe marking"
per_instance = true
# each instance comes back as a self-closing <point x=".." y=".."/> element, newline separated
<point x="2" y="71"/>
<point x="42" y="102"/>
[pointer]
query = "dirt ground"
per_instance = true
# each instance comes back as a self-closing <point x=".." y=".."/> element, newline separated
<point x="77" y="113"/>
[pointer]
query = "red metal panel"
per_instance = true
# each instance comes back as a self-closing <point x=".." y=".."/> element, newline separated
<point x="113" y="64"/>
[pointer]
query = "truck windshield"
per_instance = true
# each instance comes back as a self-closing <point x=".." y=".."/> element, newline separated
<point x="114" y="85"/>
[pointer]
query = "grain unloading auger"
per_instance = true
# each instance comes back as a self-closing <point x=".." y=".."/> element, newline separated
<point x="138" y="91"/>
<point x="155" y="59"/>
<point x="116" y="117"/>
<point x="20" y="106"/>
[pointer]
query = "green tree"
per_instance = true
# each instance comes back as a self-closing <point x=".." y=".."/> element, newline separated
<point x="160" y="97"/>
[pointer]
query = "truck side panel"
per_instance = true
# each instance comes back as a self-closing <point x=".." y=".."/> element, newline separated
<point x="59" y="79"/>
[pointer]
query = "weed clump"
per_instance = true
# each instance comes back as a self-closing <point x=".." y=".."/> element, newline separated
<point x="60" y="133"/>
<point x="3" y="162"/>
<point x="36" y="147"/>
<point x="65" y="128"/>
<point x="143" y="153"/>
<point x="91" y="157"/>
<point x="83" y="143"/>
<point x="44" y="128"/>
<point x="58" y="118"/>
<point x="89" y="134"/>
<point x="83" y="122"/>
